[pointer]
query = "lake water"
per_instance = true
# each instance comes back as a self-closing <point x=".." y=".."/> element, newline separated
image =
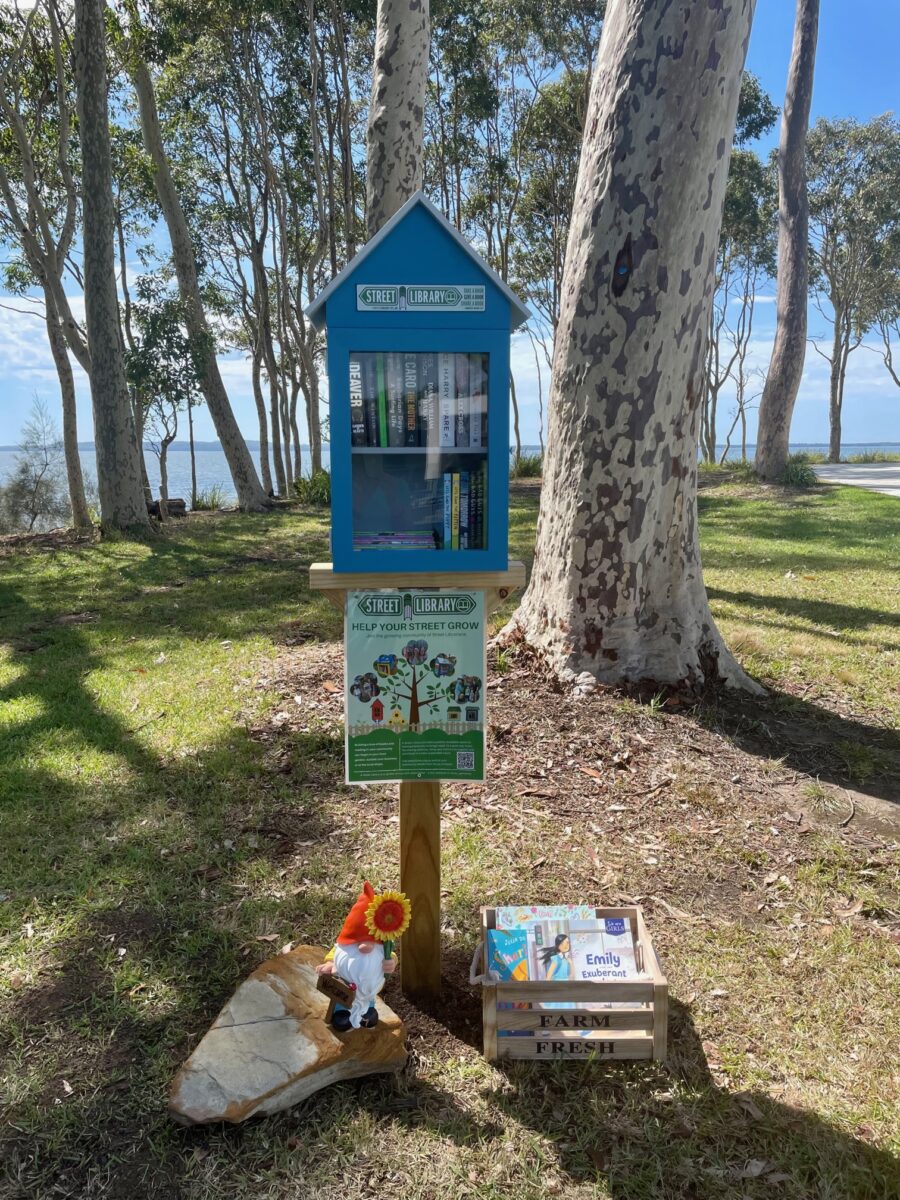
<point x="212" y="469"/>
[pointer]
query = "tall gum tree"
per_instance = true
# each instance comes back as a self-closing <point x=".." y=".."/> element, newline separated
<point x="788" y="352"/>
<point x="122" y="504"/>
<point x="251" y="496"/>
<point x="394" y="136"/>
<point x="616" y="591"/>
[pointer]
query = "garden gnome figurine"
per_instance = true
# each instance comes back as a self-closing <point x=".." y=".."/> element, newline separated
<point x="363" y="954"/>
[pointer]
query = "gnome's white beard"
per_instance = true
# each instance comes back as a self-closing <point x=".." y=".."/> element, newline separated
<point x="366" y="971"/>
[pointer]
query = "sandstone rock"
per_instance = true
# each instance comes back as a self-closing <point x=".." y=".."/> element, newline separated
<point x="270" y="1048"/>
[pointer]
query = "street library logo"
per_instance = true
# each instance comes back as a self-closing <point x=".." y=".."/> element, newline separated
<point x="416" y="297"/>
<point x="408" y="605"/>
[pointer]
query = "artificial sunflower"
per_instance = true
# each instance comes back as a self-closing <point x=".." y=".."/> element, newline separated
<point x="387" y="916"/>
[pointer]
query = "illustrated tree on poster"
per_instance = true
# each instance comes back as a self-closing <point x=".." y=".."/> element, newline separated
<point x="410" y="676"/>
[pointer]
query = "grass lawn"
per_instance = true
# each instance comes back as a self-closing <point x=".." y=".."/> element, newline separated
<point x="171" y="813"/>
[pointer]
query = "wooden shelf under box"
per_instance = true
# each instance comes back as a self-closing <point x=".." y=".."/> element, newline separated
<point x="637" y="1031"/>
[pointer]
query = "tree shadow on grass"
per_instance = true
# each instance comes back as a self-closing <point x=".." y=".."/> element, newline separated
<point x="844" y="751"/>
<point x="812" y="616"/>
<point x="646" y="1130"/>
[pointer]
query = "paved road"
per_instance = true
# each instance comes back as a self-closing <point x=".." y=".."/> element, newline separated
<point x="875" y="477"/>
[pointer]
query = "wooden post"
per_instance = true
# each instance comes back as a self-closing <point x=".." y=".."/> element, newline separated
<point x="420" y="880"/>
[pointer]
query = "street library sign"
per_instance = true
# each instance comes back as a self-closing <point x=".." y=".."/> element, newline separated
<point x="412" y="297"/>
<point x="414" y="685"/>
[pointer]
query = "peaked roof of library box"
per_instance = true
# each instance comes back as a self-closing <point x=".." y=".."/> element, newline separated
<point x="316" y="310"/>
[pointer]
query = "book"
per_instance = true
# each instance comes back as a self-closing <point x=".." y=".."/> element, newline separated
<point x="429" y="432"/>
<point x="395" y="399"/>
<point x="381" y="391"/>
<point x="447" y="397"/>
<point x="454" y="511"/>
<point x="462" y="399"/>
<point x="464" y="510"/>
<point x="411" y="399"/>
<point x="480" y="535"/>
<point x="478" y="400"/>
<point x="605" y="953"/>
<point x="448" y="512"/>
<point x="357" y="403"/>
<point x="524" y="915"/>
<point x="508" y="954"/>
<point x="370" y="399"/>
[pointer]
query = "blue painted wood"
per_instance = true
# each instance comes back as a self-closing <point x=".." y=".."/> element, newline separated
<point x="418" y="251"/>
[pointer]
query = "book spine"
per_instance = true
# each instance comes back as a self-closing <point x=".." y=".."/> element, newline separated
<point x="448" y="512"/>
<point x="411" y="399"/>
<point x="462" y="399"/>
<point x="428" y="400"/>
<point x="381" y="387"/>
<point x="396" y="414"/>
<point x="464" y="510"/>
<point x="370" y="399"/>
<point x="482" y="508"/>
<point x="447" y="388"/>
<point x="357" y="406"/>
<point x="454" y="512"/>
<point x="477" y="400"/>
<point x="474" y="529"/>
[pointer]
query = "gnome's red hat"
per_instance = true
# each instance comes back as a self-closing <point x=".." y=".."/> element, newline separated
<point x="355" y="928"/>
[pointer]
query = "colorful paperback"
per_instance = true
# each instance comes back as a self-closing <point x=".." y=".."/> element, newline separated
<point x="508" y="954"/>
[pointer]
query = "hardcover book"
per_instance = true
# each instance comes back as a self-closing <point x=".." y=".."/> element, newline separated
<point x="447" y="393"/>
<point x="357" y="402"/>
<point x="411" y="399"/>
<point x="428" y="400"/>
<point x="462" y="399"/>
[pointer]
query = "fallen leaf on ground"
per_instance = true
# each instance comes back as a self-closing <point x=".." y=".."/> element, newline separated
<point x="849" y="910"/>
<point x="267" y="937"/>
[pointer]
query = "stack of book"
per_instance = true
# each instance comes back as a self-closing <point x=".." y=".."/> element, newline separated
<point x="463" y="526"/>
<point x="407" y="399"/>
<point x="561" y="942"/>
<point x="399" y="539"/>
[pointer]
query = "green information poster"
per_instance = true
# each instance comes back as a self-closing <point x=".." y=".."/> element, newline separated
<point x="415" y="685"/>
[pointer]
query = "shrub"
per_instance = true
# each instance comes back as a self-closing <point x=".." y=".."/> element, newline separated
<point x="873" y="456"/>
<point x="314" y="489"/>
<point x="210" y="498"/>
<point x="799" y="473"/>
<point x="528" y="466"/>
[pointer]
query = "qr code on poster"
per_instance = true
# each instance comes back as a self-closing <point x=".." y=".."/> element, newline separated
<point x="465" y="760"/>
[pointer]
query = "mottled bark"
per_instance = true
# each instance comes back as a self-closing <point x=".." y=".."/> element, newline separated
<point x="616" y="591"/>
<point x="394" y="143"/>
<point x="81" y="518"/>
<point x="122" y="504"/>
<point x="251" y="496"/>
<point x="789" y="350"/>
<point x="263" y="425"/>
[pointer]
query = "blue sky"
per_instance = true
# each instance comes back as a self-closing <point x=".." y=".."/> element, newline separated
<point x="856" y="75"/>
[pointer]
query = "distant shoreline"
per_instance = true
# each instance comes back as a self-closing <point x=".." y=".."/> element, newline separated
<point x="254" y="445"/>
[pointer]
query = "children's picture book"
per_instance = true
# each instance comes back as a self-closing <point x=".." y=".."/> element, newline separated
<point x="562" y="943"/>
<point x="508" y="954"/>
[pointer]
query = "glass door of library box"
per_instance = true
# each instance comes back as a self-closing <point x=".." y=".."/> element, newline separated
<point x="419" y="430"/>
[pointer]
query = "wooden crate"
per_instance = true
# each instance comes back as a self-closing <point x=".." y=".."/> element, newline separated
<point x="637" y="1031"/>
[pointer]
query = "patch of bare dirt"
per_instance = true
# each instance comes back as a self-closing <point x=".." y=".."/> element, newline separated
<point x="684" y="807"/>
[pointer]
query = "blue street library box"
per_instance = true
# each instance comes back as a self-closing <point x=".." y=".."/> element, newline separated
<point x="418" y="330"/>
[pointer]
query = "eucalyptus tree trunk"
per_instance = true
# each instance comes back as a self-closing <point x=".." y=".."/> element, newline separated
<point x="786" y="366"/>
<point x="81" y="518"/>
<point x="122" y="505"/>
<point x="263" y="424"/>
<point x="251" y="496"/>
<point x="394" y="141"/>
<point x="616" y="592"/>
